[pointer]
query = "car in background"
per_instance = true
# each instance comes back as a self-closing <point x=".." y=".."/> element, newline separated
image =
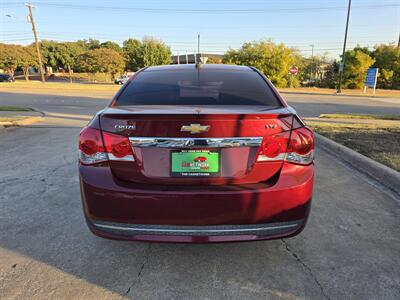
<point x="123" y="78"/>
<point x="6" y="78"/>
<point x="196" y="154"/>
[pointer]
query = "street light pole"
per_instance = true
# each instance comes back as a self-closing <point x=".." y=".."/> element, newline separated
<point x="341" y="67"/>
<point x="32" y="21"/>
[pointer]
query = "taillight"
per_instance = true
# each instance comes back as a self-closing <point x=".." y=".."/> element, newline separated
<point x="301" y="147"/>
<point x="91" y="148"/>
<point x="274" y="147"/>
<point x="295" y="147"/>
<point x="118" y="147"/>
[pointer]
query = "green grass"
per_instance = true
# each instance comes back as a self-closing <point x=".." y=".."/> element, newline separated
<point x="360" y="116"/>
<point x="372" y="140"/>
<point x="345" y="92"/>
<point x="15" y="108"/>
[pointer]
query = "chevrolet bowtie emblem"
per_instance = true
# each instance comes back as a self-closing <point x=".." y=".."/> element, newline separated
<point x="195" y="128"/>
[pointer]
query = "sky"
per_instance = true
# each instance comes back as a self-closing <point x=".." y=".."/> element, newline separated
<point x="222" y="24"/>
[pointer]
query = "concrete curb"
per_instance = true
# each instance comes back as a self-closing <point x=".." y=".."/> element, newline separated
<point x="25" y="121"/>
<point x="22" y="122"/>
<point x="386" y="176"/>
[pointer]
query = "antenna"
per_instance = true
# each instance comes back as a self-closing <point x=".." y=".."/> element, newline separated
<point x="198" y="61"/>
<point x="198" y="43"/>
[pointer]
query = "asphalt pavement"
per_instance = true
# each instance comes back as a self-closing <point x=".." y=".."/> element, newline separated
<point x="350" y="248"/>
<point x="307" y="105"/>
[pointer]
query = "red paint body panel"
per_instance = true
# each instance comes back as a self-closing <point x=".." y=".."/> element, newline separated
<point x="106" y="198"/>
<point x="165" y="121"/>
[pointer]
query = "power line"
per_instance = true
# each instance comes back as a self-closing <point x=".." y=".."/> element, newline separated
<point x="221" y="39"/>
<point x="311" y="26"/>
<point x="197" y="11"/>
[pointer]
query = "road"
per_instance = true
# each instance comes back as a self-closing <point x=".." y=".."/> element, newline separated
<point x="307" y="105"/>
<point x="350" y="248"/>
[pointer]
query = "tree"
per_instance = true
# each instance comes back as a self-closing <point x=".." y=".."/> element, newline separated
<point x="89" y="44"/>
<point x="67" y="55"/>
<point x="357" y="64"/>
<point x="387" y="59"/>
<point x="274" y="60"/>
<point x="48" y="49"/>
<point x="62" y="55"/>
<point x="130" y="49"/>
<point x="16" y="56"/>
<point x="214" y="60"/>
<point x="150" y="52"/>
<point x="27" y="60"/>
<point x="9" y="57"/>
<point x="101" y="60"/>
<point x="313" y="70"/>
<point x="331" y="76"/>
<point x="111" y="45"/>
<point x="154" y="52"/>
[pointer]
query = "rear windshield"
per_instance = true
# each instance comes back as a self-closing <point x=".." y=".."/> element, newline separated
<point x="202" y="87"/>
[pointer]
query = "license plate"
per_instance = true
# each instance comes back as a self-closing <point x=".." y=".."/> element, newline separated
<point x="195" y="163"/>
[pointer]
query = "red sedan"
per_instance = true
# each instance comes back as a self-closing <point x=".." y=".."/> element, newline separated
<point x="140" y="173"/>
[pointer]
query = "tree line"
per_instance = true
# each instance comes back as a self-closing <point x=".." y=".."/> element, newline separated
<point x="89" y="56"/>
<point x="274" y="60"/>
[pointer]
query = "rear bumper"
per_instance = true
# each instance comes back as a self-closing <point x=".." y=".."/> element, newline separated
<point x="120" y="210"/>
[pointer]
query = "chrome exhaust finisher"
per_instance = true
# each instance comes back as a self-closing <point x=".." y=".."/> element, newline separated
<point x="144" y="142"/>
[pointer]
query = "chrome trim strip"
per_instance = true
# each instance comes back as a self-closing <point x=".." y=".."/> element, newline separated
<point x="144" y="142"/>
<point x="125" y="158"/>
<point x="276" y="158"/>
<point x="191" y="230"/>
<point x="196" y="230"/>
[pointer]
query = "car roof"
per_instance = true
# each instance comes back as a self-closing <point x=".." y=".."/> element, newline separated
<point x="203" y="67"/>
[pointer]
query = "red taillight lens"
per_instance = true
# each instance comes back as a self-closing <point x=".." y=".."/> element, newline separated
<point x="91" y="148"/>
<point x="301" y="141"/>
<point x="295" y="147"/>
<point x="301" y="146"/>
<point x="118" y="147"/>
<point x="274" y="147"/>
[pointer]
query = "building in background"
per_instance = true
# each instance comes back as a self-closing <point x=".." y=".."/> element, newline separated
<point x="191" y="58"/>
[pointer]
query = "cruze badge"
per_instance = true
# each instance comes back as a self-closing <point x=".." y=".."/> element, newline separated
<point x="124" y="127"/>
<point x="195" y="128"/>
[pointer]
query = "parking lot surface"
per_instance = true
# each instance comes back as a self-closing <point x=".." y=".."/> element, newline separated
<point x="350" y="248"/>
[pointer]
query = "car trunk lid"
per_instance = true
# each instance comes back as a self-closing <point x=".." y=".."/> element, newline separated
<point x="186" y="145"/>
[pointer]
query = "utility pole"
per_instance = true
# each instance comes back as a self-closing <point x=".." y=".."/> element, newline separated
<point x="398" y="42"/>
<point x="32" y="21"/>
<point x="312" y="63"/>
<point x="341" y="67"/>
